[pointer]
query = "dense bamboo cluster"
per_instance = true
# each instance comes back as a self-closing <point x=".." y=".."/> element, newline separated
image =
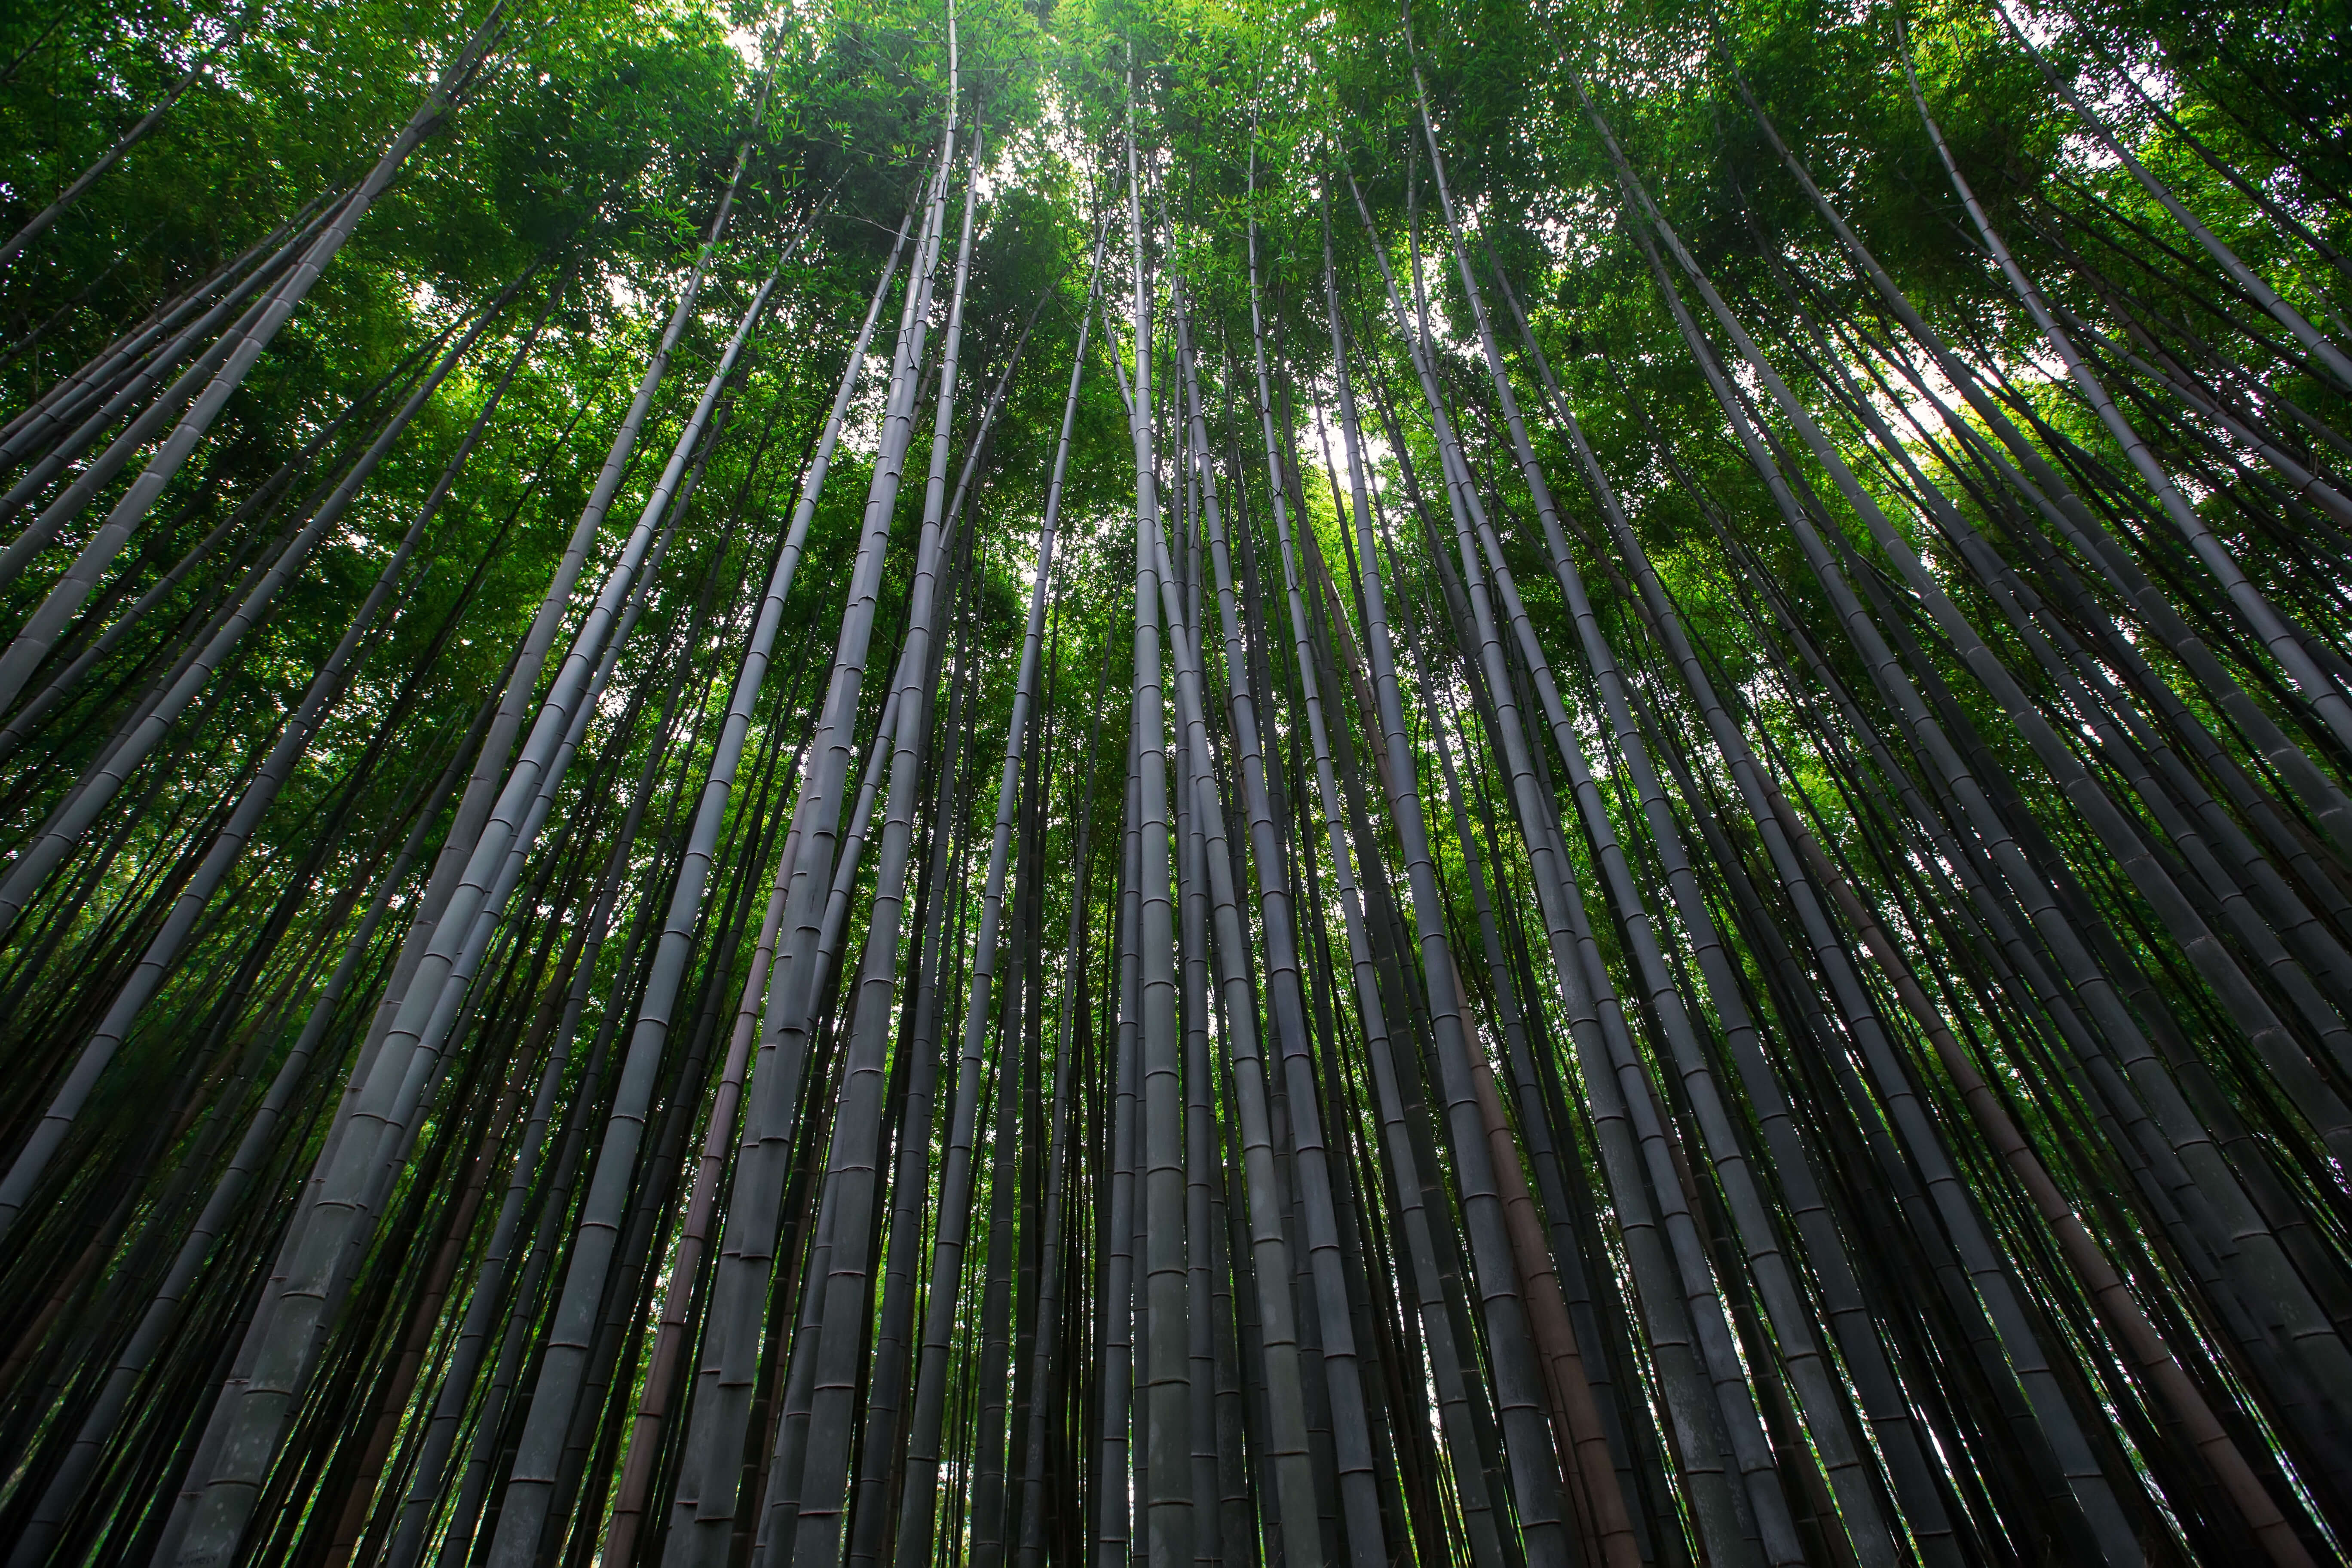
<point x="1324" y="986"/>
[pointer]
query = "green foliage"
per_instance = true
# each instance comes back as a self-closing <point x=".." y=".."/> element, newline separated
<point x="586" y="166"/>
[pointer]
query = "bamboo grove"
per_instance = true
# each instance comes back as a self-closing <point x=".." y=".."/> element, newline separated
<point x="1512" y="782"/>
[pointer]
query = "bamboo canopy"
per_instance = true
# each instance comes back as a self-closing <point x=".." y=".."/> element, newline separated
<point x="1483" y="785"/>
